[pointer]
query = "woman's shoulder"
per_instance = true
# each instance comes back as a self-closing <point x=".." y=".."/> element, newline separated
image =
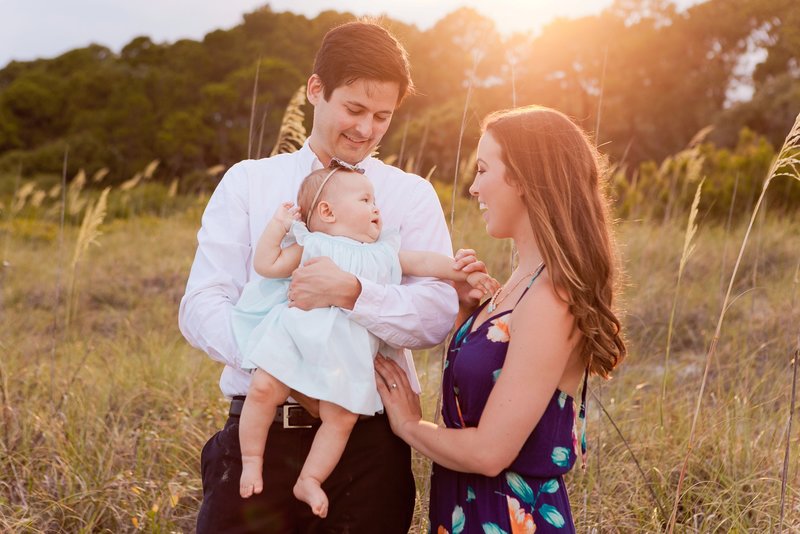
<point x="543" y="306"/>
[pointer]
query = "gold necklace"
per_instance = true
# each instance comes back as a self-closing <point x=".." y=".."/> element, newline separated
<point x="494" y="302"/>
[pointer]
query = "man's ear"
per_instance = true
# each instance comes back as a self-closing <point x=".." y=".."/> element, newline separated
<point x="325" y="212"/>
<point x="314" y="89"/>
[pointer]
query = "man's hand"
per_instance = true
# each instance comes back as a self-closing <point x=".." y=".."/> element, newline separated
<point x="320" y="284"/>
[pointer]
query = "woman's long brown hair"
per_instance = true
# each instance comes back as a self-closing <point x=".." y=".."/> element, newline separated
<point x="558" y="171"/>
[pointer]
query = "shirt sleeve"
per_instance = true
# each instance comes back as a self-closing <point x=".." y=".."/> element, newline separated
<point x="219" y="271"/>
<point x="420" y="312"/>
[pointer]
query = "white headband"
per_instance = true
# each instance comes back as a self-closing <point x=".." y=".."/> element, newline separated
<point x="316" y="195"/>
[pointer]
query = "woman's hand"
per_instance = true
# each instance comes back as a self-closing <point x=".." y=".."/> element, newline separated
<point x="400" y="402"/>
<point x="469" y="295"/>
<point x="482" y="282"/>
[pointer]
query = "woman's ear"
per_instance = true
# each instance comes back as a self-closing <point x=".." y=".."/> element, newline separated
<point x="325" y="212"/>
<point x="519" y="188"/>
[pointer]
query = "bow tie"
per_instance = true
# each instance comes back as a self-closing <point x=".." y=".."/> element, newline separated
<point x="337" y="163"/>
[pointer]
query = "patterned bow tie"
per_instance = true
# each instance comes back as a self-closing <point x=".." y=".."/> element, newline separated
<point x="337" y="163"/>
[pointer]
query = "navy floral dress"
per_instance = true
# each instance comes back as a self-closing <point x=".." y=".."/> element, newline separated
<point x="529" y="496"/>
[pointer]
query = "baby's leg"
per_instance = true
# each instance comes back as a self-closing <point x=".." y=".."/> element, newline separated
<point x="265" y="394"/>
<point x="326" y="450"/>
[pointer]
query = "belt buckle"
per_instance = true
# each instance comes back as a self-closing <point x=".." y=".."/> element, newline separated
<point x="287" y="410"/>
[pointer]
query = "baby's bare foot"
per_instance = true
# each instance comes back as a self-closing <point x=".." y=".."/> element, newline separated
<point x="310" y="492"/>
<point x="251" y="481"/>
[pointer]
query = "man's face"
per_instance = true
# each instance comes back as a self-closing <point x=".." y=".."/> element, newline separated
<point x="351" y="123"/>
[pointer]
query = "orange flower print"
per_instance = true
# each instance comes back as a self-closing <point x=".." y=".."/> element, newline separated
<point x="521" y="521"/>
<point x="499" y="332"/>
<point x="441" y="530"/>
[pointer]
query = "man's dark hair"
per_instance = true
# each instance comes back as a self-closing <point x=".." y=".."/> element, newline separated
<point x="362" y="49"/>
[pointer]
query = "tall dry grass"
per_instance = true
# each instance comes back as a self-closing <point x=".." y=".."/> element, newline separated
<point x="103" y="421"/>
<point x="786" y="165"/>
<point x="119" y="447"/>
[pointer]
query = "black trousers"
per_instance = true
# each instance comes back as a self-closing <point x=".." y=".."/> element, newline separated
<point x="371" y="490"/>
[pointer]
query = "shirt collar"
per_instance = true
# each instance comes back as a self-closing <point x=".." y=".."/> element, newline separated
<point x="309" y="161"/>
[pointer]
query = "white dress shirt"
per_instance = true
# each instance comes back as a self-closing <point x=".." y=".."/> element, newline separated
<point x="416" y="314"/>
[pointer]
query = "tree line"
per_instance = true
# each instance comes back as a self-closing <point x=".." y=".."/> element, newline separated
<point x="641" y="76"/>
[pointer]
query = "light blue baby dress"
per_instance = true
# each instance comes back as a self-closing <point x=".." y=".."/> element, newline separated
<point x="321" y="352"/>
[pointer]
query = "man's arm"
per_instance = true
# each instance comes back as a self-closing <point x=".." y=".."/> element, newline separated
<point x="219" y="270"/>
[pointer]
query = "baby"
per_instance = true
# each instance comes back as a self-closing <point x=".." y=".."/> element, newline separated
<point x="320" y="353"/>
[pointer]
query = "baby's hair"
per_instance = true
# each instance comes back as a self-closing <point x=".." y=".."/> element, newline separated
<point x="310" y="188"/>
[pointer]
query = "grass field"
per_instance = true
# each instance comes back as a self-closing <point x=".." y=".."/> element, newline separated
<point x="103" y="418"/>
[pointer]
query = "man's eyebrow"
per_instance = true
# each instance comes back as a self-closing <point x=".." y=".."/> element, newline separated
<point x="355" y="103"/>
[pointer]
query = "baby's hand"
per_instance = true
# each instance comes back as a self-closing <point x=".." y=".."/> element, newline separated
<point x="286" y="214"/>
<point x="482" y="283"/>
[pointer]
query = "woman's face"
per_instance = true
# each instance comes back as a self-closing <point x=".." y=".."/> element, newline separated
<point x="500" y="202"/>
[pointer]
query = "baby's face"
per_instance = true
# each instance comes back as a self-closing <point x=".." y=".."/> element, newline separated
<point x="353" y="204"/>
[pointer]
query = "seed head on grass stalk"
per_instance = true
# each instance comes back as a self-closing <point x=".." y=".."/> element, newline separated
<point x="101" y="174"/>
<point x="292" y="133"/>
<point x="688" y="248"/>
<point x="786" y="164"/>
<point x="75" y="201"/>
<point x="21" y="196"/>
<point x="150" y="170"/>
<point x="129" y="184"/>
<point x="87" y="235"/>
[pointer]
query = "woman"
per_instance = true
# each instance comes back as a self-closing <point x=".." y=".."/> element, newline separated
<point x="516" y="363"/>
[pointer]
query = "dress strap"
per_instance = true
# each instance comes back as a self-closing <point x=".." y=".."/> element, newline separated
<point x="535" y="275"/>
<point x="582" y="417"/>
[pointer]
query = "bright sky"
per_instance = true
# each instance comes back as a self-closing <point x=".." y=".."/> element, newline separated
<point x="31" y="29"/>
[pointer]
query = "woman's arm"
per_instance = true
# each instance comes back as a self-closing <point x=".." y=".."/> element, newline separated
<point x="537" y="358"/>
<point x="270" y="260"/>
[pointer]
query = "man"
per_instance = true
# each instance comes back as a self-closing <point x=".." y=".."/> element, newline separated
<point x="361" y="74"/>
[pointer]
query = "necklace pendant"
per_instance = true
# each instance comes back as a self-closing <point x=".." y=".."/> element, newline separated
<point x="492" y="306"/>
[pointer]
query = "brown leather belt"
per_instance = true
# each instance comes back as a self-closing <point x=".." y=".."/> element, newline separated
<point x="289" y="415"/>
